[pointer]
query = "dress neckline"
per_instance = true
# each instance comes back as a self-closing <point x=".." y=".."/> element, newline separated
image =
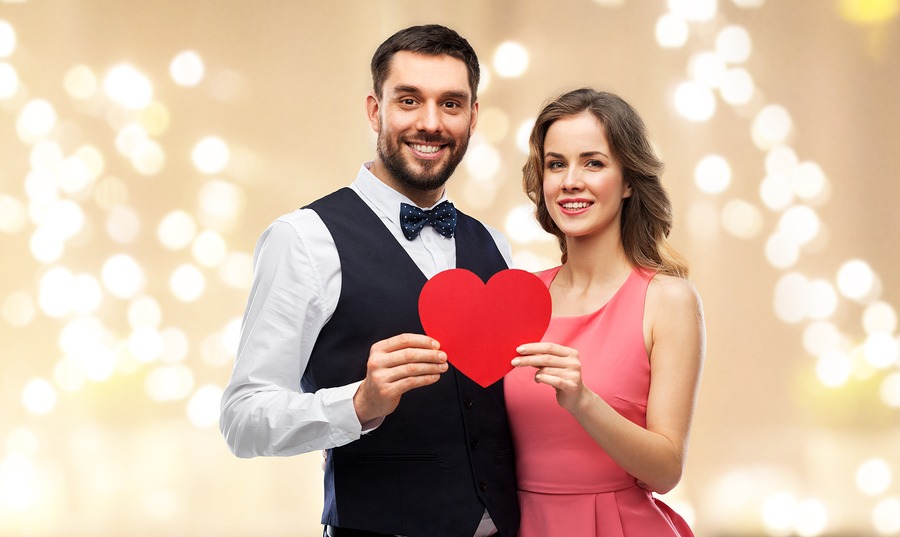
<point x="634" y="272"/>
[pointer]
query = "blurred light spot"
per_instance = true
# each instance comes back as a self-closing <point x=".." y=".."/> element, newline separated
<point x="64" y="219"/>
<point x="46" y="246"/>
<point x="775" y="192"/>
<point x="881" y="350"/>
<point x="879" y="317"/>
<point x="18" y="483"/>
<point x="782" y="251"/>
<point x="703" y="220"/>
<point x="211" y="155"/>
<point x="708" y="69"/>
<point x="694" y="10"/>
<point x="482" y="161"/>
<point x="148" y="157"/>
<point x="209" y="249"/>
<point x="123" y="276"/>
<point x="145" y="344"/>
<point x="9" y="81"/>
<point x="169" y="383"/>
<point x="521" y="226"/>
<point x="886" y="516"/>
<point x="220" y="202"/>
<point x="215" y="352"/>
<point x="695" y="101"/>
<point x="671" y="31"/>
<point x="873" y="476"/>
<point x="855" y="279"/>
<point x="128" y="87"/>
<point x="46" y="155"/>
<point x="532" y="262"/>
<point x="821" y="336"/>
<point x="155" y="118"/>
<point x="833" y="368"/>
<point x="790" y="297"/>
<point x="129" y="137"/>
<point x="749" y="3"/>
<point x="821" y="299"/>
<point x="479" y="194"/>
<point x="12" y="214"/>
<point x="523" y="134"/>
<point x="733" y="44"/>
<point x="226" y="86"/>
<point x="510" y="60"/>
<point x="7" y="39"/>
<point x="80" y="82"/>
<point x="737" y="86"/>
<point x="742" y="219"/>
<point x="86" y="345"/>
<point x="86" y="293"/>
<point x="203" y="407"/>
<point x="799" y="222"/>
<point x="187" y="283"/>
<point x="18" y="309"/>
<point x="771" y="127"/>
<point x="890" y="391"/>
<point x="175" y="345"/>
<point x="484" y="82"/>
<point x="808" y="182"/>
<point x="712" y="174"/>
<point x="778" y="513"/>
<point x="493" y="124"/>
<point x="869" y="11"/>
<point x="73" y="175"/>
<point x="68" y="375"/>
<point x="53" y="291"/>
<point x="811" y="518"/>
<point x="187" y="68"/>
<point x="93" y="160"/>
<point x="231" y="334"/>
<point x="144" y="311"/>
<point x="39" y="396"/>
<point x="36" y="120"/>
<point x="781" y="160"/>
<point x="176" y="230"/>
<point x="236" y="270"/>
<point x="123" y="224"/>
<point x="610" y="3"/>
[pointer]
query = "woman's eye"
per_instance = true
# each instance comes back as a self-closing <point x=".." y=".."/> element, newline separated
<point x="594" y="164"/>
<point x="554" y="165"/>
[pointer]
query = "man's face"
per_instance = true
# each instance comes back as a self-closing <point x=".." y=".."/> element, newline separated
<point x="424" y="119"/>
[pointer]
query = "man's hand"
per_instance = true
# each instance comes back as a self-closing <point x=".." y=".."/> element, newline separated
<point x="397" y="365"/>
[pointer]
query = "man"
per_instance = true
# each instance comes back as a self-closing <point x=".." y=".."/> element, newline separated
<point x="332" y="354"/>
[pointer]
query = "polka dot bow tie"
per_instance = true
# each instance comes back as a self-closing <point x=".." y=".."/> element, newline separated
<point x="442" y="218"/>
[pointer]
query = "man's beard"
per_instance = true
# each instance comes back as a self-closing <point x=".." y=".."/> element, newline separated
<point x="435" y="172"/>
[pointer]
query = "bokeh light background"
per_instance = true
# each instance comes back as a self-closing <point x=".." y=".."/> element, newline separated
<point x="145" y="145"/>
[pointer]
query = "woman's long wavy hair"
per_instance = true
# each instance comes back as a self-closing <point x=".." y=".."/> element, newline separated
<point x="647" y="213"/>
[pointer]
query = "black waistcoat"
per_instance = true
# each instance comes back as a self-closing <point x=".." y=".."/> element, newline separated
<point x="445" y="454"/>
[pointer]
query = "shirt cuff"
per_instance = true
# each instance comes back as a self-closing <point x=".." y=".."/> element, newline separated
<point x="344" y="421"/>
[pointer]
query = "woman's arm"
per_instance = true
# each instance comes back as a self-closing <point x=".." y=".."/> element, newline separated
<point x="675" y="337"/>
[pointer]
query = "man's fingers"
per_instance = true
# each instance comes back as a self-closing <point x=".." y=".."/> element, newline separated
<point x="404" y="341"/>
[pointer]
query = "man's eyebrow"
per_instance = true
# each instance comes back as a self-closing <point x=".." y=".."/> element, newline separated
<point x="414" y="90"/>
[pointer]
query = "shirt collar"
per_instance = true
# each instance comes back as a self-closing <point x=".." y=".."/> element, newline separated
<point x="380" y="196"/>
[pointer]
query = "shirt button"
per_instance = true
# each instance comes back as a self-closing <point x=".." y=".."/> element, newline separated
<point x="468" y="402"/>
<point x="474" y="444"/>
<point x="482" y="486"/>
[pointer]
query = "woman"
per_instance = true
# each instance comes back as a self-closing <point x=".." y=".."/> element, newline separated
<point x="625" y="347"/>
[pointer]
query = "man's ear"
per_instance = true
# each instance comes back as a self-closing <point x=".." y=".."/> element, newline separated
<point x="474" y="118"/>
<point x="373" y="112"/>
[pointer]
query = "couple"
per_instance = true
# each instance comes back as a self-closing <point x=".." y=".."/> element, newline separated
<point x="332" y="355"/>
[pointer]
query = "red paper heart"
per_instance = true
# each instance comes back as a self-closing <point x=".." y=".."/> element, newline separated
<point x="479" y="326"/>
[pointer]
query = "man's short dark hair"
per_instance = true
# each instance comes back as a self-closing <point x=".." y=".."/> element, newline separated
<point x="431" y="40"/>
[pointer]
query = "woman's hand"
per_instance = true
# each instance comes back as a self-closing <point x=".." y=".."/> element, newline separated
<point x="557" y="366"/>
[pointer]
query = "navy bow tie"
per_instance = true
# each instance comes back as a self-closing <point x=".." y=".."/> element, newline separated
<point x="442" y="218"/>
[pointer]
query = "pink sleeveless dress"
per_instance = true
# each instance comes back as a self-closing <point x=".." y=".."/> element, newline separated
<point x="568" y="486"/>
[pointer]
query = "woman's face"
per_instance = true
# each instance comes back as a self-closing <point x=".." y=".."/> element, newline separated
<point x="583" y="184"/>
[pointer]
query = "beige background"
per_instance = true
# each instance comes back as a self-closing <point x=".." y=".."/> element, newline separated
<point x="284" y="87"/>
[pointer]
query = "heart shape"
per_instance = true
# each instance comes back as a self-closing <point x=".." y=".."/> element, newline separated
<point x="479" y="326"/>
